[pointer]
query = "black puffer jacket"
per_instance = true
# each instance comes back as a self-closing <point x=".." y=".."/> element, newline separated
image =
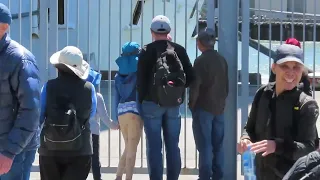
<point x="307" y="168"/>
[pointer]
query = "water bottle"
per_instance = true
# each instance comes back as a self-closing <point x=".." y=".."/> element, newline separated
<point x="248" y="164"/>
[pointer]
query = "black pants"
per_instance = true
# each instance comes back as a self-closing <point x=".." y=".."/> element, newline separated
<point x="96" y="166"/>
<point x="64" y="168"/>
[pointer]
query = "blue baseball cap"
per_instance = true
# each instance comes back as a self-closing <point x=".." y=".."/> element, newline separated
<point x="288" y="53"/>
<point x="5" y="14"/>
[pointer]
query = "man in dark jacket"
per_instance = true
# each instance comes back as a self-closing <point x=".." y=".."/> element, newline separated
<point x="207" y="98"/>
<point x="19" y="105"/>
<point x="281" y="126"/>
<point x="67" y="104"/>
<point x="158" y="117"/>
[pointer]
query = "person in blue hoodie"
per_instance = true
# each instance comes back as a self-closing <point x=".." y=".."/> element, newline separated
<point x="101" y="115"/>
<point x="127" y="107"/>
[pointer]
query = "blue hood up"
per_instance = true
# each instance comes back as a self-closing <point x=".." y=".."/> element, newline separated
<point x="94" y="77"/>
<point x="128" y="60"/>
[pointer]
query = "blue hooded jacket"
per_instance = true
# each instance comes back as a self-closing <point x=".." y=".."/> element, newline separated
<point x="125" y="80"/>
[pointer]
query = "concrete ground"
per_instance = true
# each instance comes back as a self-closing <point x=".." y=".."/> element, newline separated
<point x="110" y="141"/>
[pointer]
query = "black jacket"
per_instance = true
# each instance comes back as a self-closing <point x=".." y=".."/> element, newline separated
<point x="80" y="92"/>
<point x="211" y="86"/>
<point x="147" y="61"/>
<point x="272" y="118"/>
<point x="307" y="167"/>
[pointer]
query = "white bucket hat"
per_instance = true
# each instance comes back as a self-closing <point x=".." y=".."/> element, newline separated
<point x="72" y="57"/>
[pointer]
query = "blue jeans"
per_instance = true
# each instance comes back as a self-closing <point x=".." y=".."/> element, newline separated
<point x="208" y="130"/>
<point x="21" y="166"/>
<point x="167" y="119"/>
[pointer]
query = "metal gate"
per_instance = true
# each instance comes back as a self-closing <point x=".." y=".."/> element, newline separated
<point x="254" y="28"/>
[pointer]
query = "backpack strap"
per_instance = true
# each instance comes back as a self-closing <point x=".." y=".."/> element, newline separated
<point x="296" y="114"/>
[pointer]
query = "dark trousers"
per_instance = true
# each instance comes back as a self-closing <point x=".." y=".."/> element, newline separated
<point x="96" y="166"/>
<point x="64" y="168"/>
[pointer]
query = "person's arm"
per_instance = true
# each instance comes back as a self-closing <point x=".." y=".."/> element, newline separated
<point x="199" y="70"/>
<point x="94" y="102"/>
<point x="306" y="135"/>
<point x="142" y="74"/>
<point x="187" y="67"/>
<point x="249" y="128"/>
<point x="25" y="83"/>
<point x="43" y="98"/>
<point x="103" y="113"/>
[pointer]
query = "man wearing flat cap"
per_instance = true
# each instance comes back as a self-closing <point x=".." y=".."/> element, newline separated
<point x="19" y="105"/>
<point x="207" y="102"/>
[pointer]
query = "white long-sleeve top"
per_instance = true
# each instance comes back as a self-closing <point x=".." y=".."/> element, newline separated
<point x="101" y="114"/>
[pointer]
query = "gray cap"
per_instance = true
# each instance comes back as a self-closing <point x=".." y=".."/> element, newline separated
<point x="207" y="37"/>
<point x="160" y="24"/>
<point x="288" y="53"/>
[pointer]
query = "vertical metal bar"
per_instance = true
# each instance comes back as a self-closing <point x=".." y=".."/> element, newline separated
<point x="20" y="20"/>
<point x="175" y="21"/>
<point x="245" y="60"/>
<point x="197" y="27"/>
<point x="142" y="35"/>
<point x="228" y="48"/>
<point x="186" y="96"/>
<point x="314" y="48"/>
<point x="120" y="45"/>
<point x="270" y="38"/>
<point x="259" y="36"/>
<point x="44" y="40"/>
<point x="54" y="34"/>
<point x="109" y="80"/>
<point x="292" y="18"/>
<point x="99" y="42"/>
<point x="281" y="23"/>
<point x="131" y="19"/>
<point x="78" y="23"/>
<point x="31" y="17"/>
<point x="153" y="8"/>
<point x="67" y="21"/>
<point x="89" y="35"/>
<point x="210" y="14"/>
<point x="164" y="7"/>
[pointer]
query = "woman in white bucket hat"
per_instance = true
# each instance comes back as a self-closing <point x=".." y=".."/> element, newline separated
<point x="72" y="58"/>
<point x="67" y="104"/>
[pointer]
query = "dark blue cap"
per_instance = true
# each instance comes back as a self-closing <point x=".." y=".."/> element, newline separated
<point x="288" y="53"/>
<point x="5" y="14"/>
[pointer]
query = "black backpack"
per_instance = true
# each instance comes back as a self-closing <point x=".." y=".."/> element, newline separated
<point x="169" y="78"/>
<point x="62" y="130"/>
